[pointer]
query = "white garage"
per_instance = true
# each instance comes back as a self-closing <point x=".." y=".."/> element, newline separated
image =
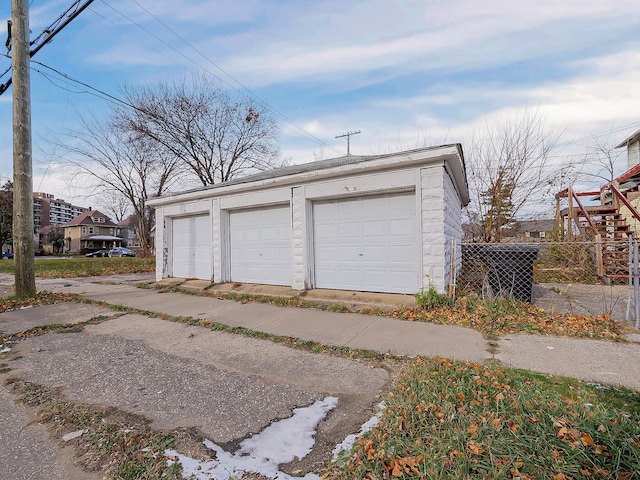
<point x="367" y="243"/>
<point x="260" y="245"/>
<point x="380" y="223"/>
<point x="191" y="255"/>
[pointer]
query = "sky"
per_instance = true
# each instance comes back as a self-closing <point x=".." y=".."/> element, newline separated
<point x="405" y="73"/>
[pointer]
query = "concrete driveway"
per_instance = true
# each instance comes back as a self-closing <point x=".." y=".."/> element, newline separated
<point x="230" y="387"/>
<point x="226" y="387"/>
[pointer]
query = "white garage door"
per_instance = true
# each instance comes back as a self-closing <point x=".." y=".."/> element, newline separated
<point x="261" y="245"/>
<point x="192" y="247"/>
<point x="368" y="244"/>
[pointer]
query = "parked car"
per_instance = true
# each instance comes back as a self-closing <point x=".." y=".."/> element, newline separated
<point x="121" y="252"/>
<point x="7" y="255"/>
<point x="98" y="253"/>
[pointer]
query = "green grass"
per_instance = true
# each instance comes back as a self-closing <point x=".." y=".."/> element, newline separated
<point x="85" y="267"/>
<point x="455" y="420"/>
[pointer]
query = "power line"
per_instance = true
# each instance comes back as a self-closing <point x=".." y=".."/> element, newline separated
<point x="222" y="80"/>
<point x="105" y="95"/>
<point x="50" y="32"/>
<point x="234" y="79"/>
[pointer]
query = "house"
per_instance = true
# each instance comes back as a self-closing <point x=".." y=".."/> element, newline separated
<point x="534" y="229"/>
<point x="633" y="149"/>
<point x="51" y="239"/>
<point x="91" y="231"/>
<point x="382" y="223"/>
<point x="613" y="220"/>
<point x="127" y="233"/>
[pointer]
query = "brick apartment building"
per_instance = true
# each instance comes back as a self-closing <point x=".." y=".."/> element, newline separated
<point x="47" y="210"/>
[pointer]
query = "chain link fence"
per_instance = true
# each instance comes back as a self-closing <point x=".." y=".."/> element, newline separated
<point x="568" y="277"/>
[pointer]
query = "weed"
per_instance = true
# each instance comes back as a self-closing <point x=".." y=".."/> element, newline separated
<point x="494" y="317"/>
<point x="432" y="299"/>
<point x="123" y="443"/>
<point x="338" y="307"/>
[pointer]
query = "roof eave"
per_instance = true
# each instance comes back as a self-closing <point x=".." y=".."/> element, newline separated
<point x="634" y="136"/>
<point x="451" y="155"/>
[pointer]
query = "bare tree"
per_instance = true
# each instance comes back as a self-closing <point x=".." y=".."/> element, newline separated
<point x="6" y="214"/>
<point x="116" y="163"/>
<point x="199" y="123"/>
<point x="602" y="162"/>
<point x="509" y="165"/>
<point x="115" y="203"/>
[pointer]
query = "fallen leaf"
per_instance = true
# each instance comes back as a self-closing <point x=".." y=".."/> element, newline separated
<point x="587" y="440"/>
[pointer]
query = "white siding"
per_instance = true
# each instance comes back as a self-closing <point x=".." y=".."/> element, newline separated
<point x="452" y="228"/>
<point x="633" y="154"/>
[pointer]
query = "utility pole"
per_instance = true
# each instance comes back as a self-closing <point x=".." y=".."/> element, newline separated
<point x="47" y="35"/>
<point x="348" y="135"/>
<point x="25" y="278"/>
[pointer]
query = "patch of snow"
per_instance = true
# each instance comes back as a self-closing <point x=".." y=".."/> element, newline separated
<point x="281" y="442"/>
<point x="5" y="350"/>
<point x="24" y="307"/>
<point x="347" y="444"/>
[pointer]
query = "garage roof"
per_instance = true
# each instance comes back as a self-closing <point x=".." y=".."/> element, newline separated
<point x="457" y="170"/>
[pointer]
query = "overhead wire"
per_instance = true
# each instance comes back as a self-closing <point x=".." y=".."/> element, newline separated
<point x="59" y="135"/>
<point x="243" y="89"/>
<point x="95" y="91"/>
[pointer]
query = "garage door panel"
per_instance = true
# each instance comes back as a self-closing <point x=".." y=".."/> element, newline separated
<point x="374" y="228"/>
<point x="261" y="245"/>
<point x="400" y="255"/>
<point x="367" y="243"/>
<point x="191" y="247"/>
<point x="402" y="227"/>
<point x="348" y="230"/>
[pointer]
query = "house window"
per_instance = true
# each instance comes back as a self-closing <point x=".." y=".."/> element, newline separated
<point x="118" y="231"/>
<point x="136" y="243"/>
<point x="98" y="219"/>
<point x="84" y="230"/>
<point x="111" y="231"/>
<point x="90" y="230"/>
<point x="543" y="234"/>
<point x="527" y="234"/>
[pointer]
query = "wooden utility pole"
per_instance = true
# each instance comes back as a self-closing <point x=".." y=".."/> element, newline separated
<point x="25" y="278"/>
<point x="348" y="135"/>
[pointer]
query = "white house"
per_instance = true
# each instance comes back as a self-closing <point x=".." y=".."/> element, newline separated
<point x="382" y="223"/>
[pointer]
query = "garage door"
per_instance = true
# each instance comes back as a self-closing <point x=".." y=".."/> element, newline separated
<point x="367" y="244"/>
<point x="261" y="245"/>
<point x="192" y="247"/>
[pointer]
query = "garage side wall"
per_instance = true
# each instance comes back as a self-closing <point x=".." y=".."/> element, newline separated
<point x="452" y="229"/>
<point x="433" y="232"/>
<point x="162" y="248"/>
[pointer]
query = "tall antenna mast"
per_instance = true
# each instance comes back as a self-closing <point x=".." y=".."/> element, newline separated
<point x="348" y="135"/>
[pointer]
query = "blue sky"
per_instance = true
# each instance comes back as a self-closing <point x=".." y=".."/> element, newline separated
<point x="399" y="71"/>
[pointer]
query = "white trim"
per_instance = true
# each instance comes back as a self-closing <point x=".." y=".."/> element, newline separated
<point x="448" y="154"/>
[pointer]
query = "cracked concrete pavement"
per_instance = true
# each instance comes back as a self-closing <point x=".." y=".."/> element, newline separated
<point x="230" y="386"/>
